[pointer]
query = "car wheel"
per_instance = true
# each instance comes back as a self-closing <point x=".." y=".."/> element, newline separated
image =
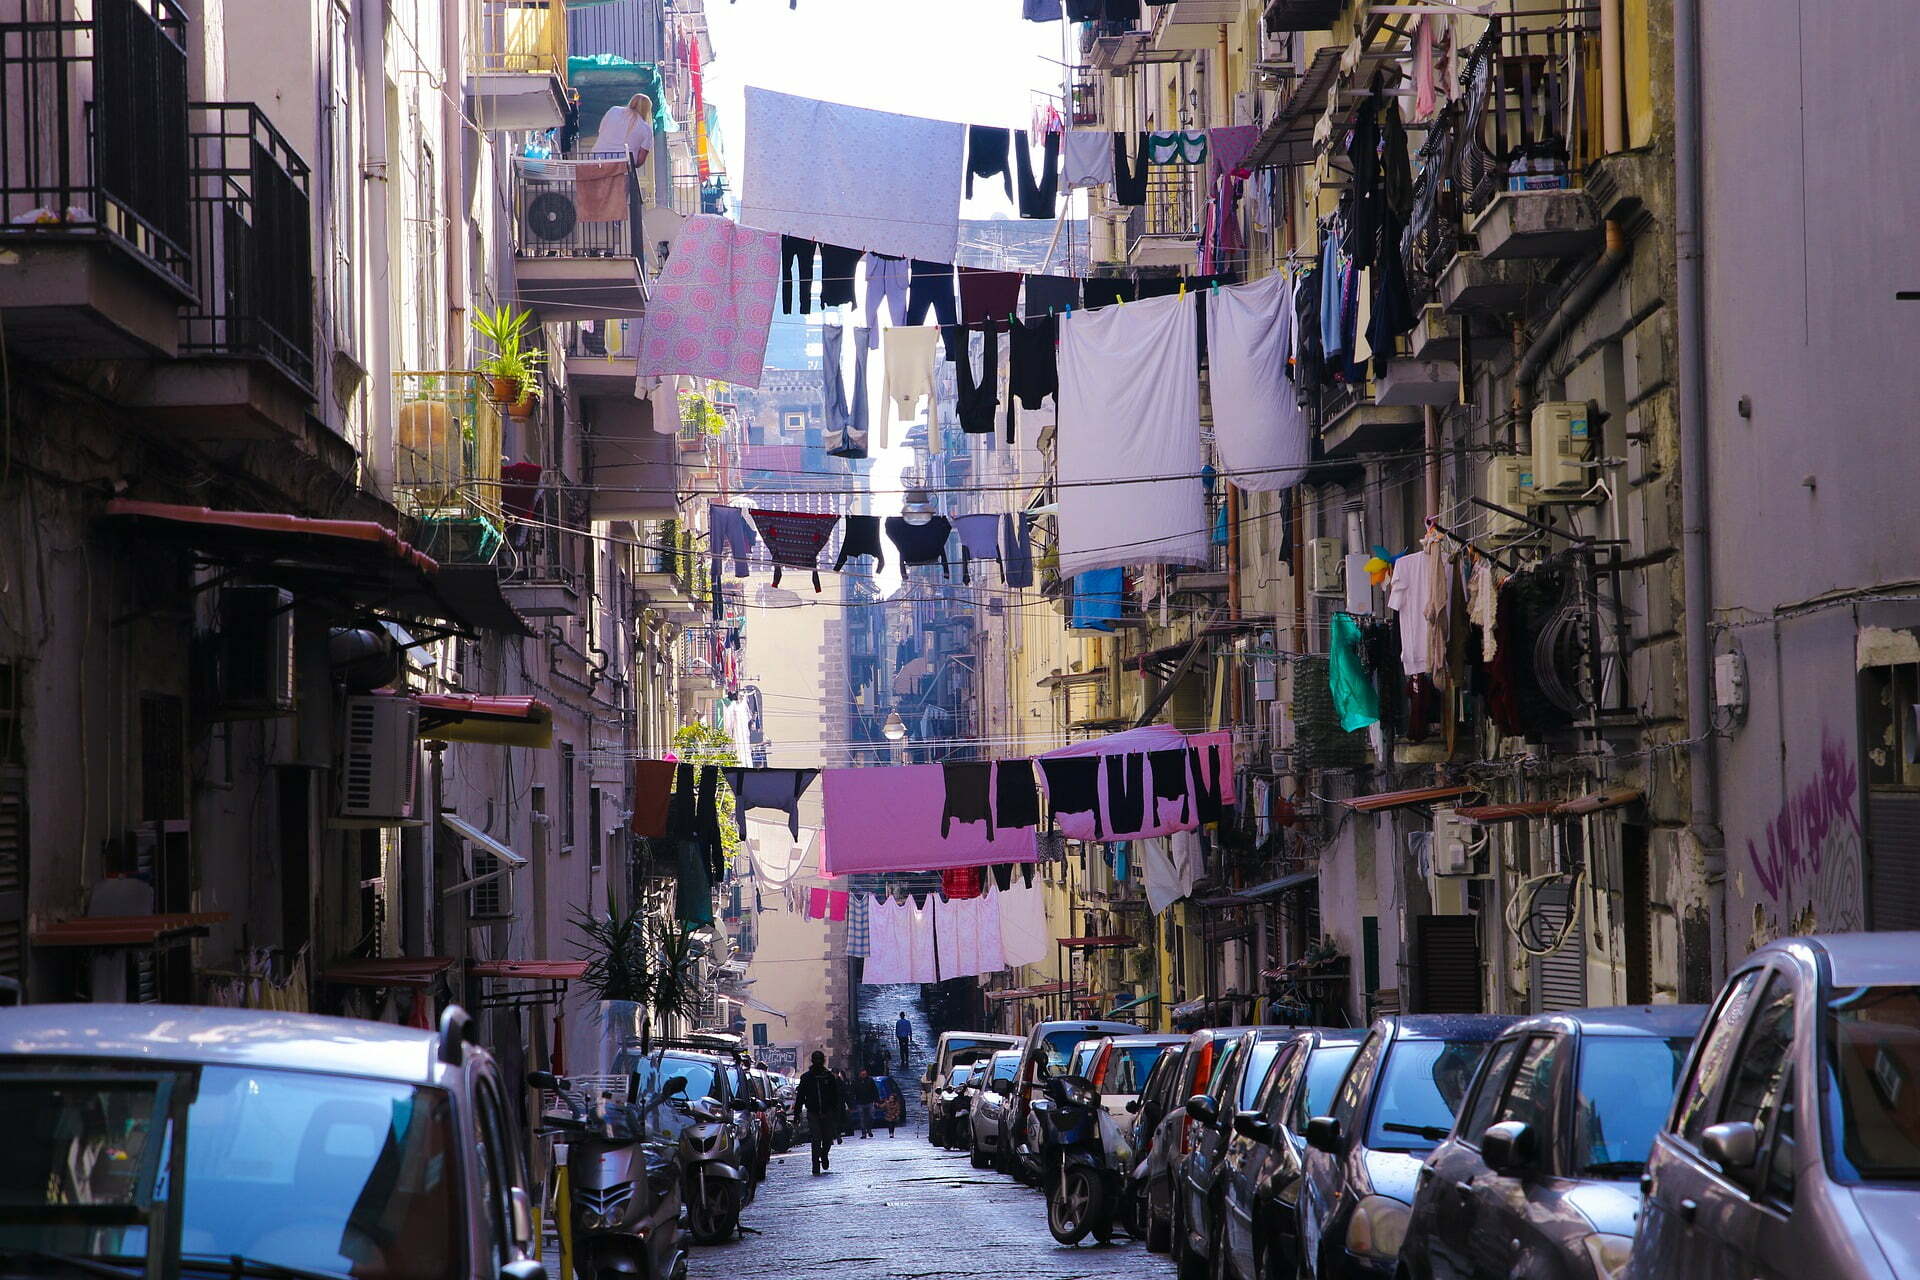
<point x="980" y="1159"/>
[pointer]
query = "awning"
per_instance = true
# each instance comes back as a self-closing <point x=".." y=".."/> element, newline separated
<point x="1298" y="880"/>
<point x="474" y="591"/>
<point x="1288" y="137"/>
<point x="127" y="931"/>
<point x="1384" y="800"/>
<point x="1508" y="812"/>
<point x="510" y="861"/>
<point x="1094" y="944"/>
<point x="1612" y="798"/>
<point x="502" y="721"/>
<point x="397" y="971"/>
<point x="541" y="970"/>
<point x="1026" y="993"/>
<point x="356" y="563"/>
<point x="759" y="1006"/>
<point x="1127" y="1006"/>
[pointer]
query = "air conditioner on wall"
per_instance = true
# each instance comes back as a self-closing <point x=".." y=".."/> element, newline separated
<point x="377" y="782"/>
<point x="1455" y="841"/>
<point x="1560" y="442"/>
<point x="1510" y="485"/>
<point x="1324" y="569"/>
<point x="253" y="653"/>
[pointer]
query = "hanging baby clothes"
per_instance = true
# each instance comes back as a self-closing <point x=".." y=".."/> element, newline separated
<point x="886" y="282"/>
<point x="975" y="399"/>
<point x="795" y="539"/>
<point x="1033" y="367"/>
<point x="1087" y="158"/>
<point x="969" y="786"/>
<point x="1177" y="147"/>
<point x="1016" y="561"/>
<point x="1130" y="183"/>
<point x="862" y="538"/>
<point x="988" y="297"/>
<point x="979" y="540"/>
<point x="845" y="428"/>
<point x="921" y="544"/>
<point x="987" y="155"/>
<point x="769" y="789"/>
<point x="909" y="375"/>
<point x="1038" y="195"/>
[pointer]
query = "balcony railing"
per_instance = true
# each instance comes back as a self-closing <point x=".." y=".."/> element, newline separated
<point x="1170" y="210"/>
<point x="520" y="37"/>
<point x="93" y="139"/>
<point x="252" y="230"/>
<point x="446" y="450"/>
<point x="584" y="206"/>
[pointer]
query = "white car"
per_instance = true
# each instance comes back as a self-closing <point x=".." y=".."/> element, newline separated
<point x="1118" y="1067"/>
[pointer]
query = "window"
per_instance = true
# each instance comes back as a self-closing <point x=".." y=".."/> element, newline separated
<point x="1259" y="1067"/>
<point x="1529" y="1095"/>
<point x="759" y="1034"/>
<point x="1353" y="1089"/>
<point x="490" y="899"/>
<point x="1421" y="1088"/>
<point x="1325" y="1070"/>
<point x="566" y="797"/>
<point x="537" y="802"/>
<point x="1493" y="1083"/>
<point x="1872" y="1037"/>
<point x="595" y="836"/>
<point x="1280" y="1077"/>
<point x="498" y="1167"/>
<point x="1710" y="1065"/>
<point x="1757" y="1090"/>
<point x="1620" y="1104"/>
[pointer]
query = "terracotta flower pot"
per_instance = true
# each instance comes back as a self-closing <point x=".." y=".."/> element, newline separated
<point x="523" y="407"/>
<point x="504" y="390"/>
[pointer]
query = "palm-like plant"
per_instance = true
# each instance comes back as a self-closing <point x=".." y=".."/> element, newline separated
<point x="643" y="960"/>
<point x="514" y="360"/>
<point x="676" y="985"/>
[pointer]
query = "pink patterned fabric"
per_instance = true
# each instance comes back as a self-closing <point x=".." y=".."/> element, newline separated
<point x="713" y="304"/>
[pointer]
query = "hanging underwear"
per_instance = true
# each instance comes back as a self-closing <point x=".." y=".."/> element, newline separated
<point x="969" y="795"/>
<point x="1126" y="793"/>
<point x="1169" y="769"/>
<point x="1206" y="786"/>
<point x="975" y="400"/>
<point x="1189" y="147"/>
<point x="769" y="789"/>
<point x="1016" y="800"/>
<point x="1129" y="182"/>
<point x="1073" y="786"/>
<point x="921" y="543"/>
<point x="987" y="155"/>
<point x="1039" y="199"/>
<point x="862" y="538"/>
<point x="795" y="539"/>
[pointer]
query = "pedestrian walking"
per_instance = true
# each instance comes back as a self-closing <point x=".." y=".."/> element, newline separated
<point x="865" y="1094"/>
<point x="903" y="1032"/>
<point x="821" y="1100"/>
<point x="846" y="1111"/>
<point x="891" y="1106"/>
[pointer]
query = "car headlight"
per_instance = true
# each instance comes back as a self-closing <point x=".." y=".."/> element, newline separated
<point x="1378" y="1227"/>
<point x="1608" y="1253"/>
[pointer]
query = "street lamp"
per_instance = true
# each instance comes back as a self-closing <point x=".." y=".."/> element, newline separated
<point x="895" y="729"/>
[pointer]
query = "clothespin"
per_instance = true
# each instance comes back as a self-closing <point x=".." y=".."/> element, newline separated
<point x="1183" y="287"/>
<point x="1215" y="286"/>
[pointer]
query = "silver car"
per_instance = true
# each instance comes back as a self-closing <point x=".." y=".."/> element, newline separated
<point x="251" y="1142"/>
<point x="1793" y="1145"/>
<point x="987" y="1122"/>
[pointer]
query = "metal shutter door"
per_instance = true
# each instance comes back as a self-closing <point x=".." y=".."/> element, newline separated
<point x="1893" y="860"/>
<point x="1447" y="960"/>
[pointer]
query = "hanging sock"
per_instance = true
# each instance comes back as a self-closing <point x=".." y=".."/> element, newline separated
<point x="1038" y="198"/>
<point x="795" y="539"/>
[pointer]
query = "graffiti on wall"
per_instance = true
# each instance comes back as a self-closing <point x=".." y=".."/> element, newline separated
<point x="1807" y="859"/>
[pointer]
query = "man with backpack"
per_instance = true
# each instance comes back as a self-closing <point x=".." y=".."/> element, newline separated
<point x="820" y="1100"/>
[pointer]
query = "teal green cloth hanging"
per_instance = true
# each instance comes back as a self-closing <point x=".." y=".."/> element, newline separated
<point x="1354" y="699"/>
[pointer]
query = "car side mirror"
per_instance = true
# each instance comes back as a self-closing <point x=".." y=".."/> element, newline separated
<point x="547" y="1080"/>
<point x="1251" y="1124"/>
<point x="673" y="1085"/>
<point x="1734" y="1146"/>
<point x="1508" y="1147"/>
<point x="1133" y="1105"/>
<point x="524" y="1269"/>
<point x="1323" y="1134"/>
<point x="1201" y="1108"/>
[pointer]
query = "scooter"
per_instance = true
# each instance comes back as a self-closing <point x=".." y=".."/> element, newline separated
<point x="718" y="1186"/>
<point x="1080" y="1165"/>
<point x="625" y="1190"/>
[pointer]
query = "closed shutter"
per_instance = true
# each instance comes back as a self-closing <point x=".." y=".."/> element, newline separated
<point x="1560" y="979"/>
<point x="13" y="872"/>
<point x="1893" y="859"/>
<point x="1446" y="972"/>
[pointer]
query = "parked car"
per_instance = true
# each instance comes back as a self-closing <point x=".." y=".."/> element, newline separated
<point x="1793" y="1145"/>
<point x="992" y="1105"/>
<point x="715" y="1125"/>
<point x="1196" y="1178"/>
<point x="1540" y="1175"/>
<point x="1170" y="1138"/>
<point x="1121" y="1068"/>
<point x="947" y="1111"/>
<point x="778" y="1092"/>
<point x="331" y="1146"/>
<point x="960" y="1046"/>
<point x="1396" y="1103"/>
<point x="1259" y="1207"/>
<point x="1048" y="1050"/>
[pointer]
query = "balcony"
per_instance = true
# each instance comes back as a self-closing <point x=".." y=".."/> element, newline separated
<point x="1301" y="15"/>
<point x="601" y="358"/>
<point x="517" y="68"/>
<point x="1190" y="25"/>
<point x="446" y="464"/>
<point x="246" y="344"/>
<point x="1165" y="231"/>
<point x="94" y="167"/>
<point x="1352" y="423"/>
<point x="580" y="254"/>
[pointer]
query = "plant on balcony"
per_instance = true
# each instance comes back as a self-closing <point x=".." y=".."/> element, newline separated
<point x="642" y="961"/>
<point x="512" y="365"/>
<point x="699" y="417"/>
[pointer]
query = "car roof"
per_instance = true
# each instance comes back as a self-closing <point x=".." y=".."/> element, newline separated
<point x="1858" y="959"/>
<point x="1098" y="1028"/>
<point x="219" y="1036"/>
<point x="1665" y="1021"/>
<point x="1334" y="1035"/>
<point x="1217" y="1034"/>
<point x="1145" y="1041"/>
<point x="1447" y="1026"/>
<point x="1013" y="1054"/>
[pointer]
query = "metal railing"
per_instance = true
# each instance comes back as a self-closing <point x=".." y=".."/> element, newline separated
<point x="1171" y="209"/>
<point x="446" y="447"/>
<point x="601" y="339"/>
<point x="585" y="205"/>
<point x="252" y="236"/>
<point x="522" y="37"/>
<point x="93" y="127"/>
<point x="1524" y="125"/>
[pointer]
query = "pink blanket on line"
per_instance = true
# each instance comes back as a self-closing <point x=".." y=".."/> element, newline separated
<point x="888" y="819"/>
<point x="713" y="305"/>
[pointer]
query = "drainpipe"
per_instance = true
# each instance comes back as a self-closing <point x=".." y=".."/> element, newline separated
<point x="370" y="21"/>
<point x="1430" y="420"/>
<point x="1692" y="405"/>
<point x="454" y="166"/>
<point x="1526" y="372"/>
<point x="1613" y="106"/>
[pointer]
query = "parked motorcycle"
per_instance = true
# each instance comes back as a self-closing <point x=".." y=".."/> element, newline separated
<point x="1081" y="1165"/>
<point x="625" y="1190"/>
<point x="718" y="1184"/>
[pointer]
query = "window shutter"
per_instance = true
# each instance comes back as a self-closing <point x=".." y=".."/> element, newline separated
<point x="14" y="832"/>
<point x="1447" y="958"/>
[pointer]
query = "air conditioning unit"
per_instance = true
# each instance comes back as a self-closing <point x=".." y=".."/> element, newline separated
<point x="377" y="783"/>
<point x="1455" y="841"/>
<point x="253" y="653"/>
<point x="1560" y="441"/>
<point x="1324" y="570"/>
<point x="551" y="216"/>
<point x="1510" y="485"/>
<point x="491" y="899"/>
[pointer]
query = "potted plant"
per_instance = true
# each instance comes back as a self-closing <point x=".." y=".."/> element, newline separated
<point x="522" y="408"/>
<point x="641" y="968"/>
<point x="512" y="364"/>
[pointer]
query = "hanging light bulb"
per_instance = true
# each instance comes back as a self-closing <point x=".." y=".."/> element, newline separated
<point x="895" y="728"/>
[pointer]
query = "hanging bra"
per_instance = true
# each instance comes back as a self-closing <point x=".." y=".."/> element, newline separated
<point x="1189" y="147"/>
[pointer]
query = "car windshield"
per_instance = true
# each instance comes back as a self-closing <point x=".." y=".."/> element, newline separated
<point x="1256" y="1072"/>
<point x="323" y="1173"/>
<point x="1873" y="1065"/>
<point x="1128" y="1068"/>
<point x="1420" y="1091"/>
<point x="1083" y="1060"/>
<point x="1324" y="1071"/>
<point x="1056" y="1050"/>
<point x="649" y="1074"/>
<point x="1626" y="1089"/>
<point x="1004" y="1066"/>
<point x="959" y="1046"/>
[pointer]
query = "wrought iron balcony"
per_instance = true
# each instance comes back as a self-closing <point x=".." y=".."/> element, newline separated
<point x="517" y="63"/>
<point x="446" y="463"/>
<point x="581" y="251"/>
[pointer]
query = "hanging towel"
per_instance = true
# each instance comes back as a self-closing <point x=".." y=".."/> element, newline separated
<point x="1259" y="429"/>
<point x="794" y="539"/>
<point x="1354" y="698"/>
<point x="1039" y="193"/>
<point x="816" y="904"/>
<point x="600" y="191"/>
<point x="837" y="904"/>
<point x="921" y="544"/>
<point x="987" y="150"/>
<point x="862" y="538"/>
<point x="860" y="925"/>
<point x="652" y="793"/>
<point x="846" y="175"/>
<point x="845" y="427"/>
<point x="1051" y="295"/>
<point x="1088" y="158"/>
<point x="890" y="944"/>
<point x="988" y="297"/>
<point x="909" y="376"/>
<point x="921" y="926"/>
<point x="989" y="953"/>
<point x="1016" y="565"/>
<point x="769" y="789"/>
<point x="1024" y="937"/>
<point x="889" y="820"/>
<point x="955" y="938"/>
<point x="1129" y="430"/>
<point x="713" y="304"/>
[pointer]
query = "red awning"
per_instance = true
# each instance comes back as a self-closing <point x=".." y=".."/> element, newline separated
<point x="1092" y="944"/>
<point x="1384" y="800"/>
<point x="1508" y="812"/>
<point x="289" y="534"/>
<point x="127" y="931"/>
<point x="398" y="971"/>
<point x="1612" y="798"/>
<point x="500" y="720"/>
<point x="544" y="970"/>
